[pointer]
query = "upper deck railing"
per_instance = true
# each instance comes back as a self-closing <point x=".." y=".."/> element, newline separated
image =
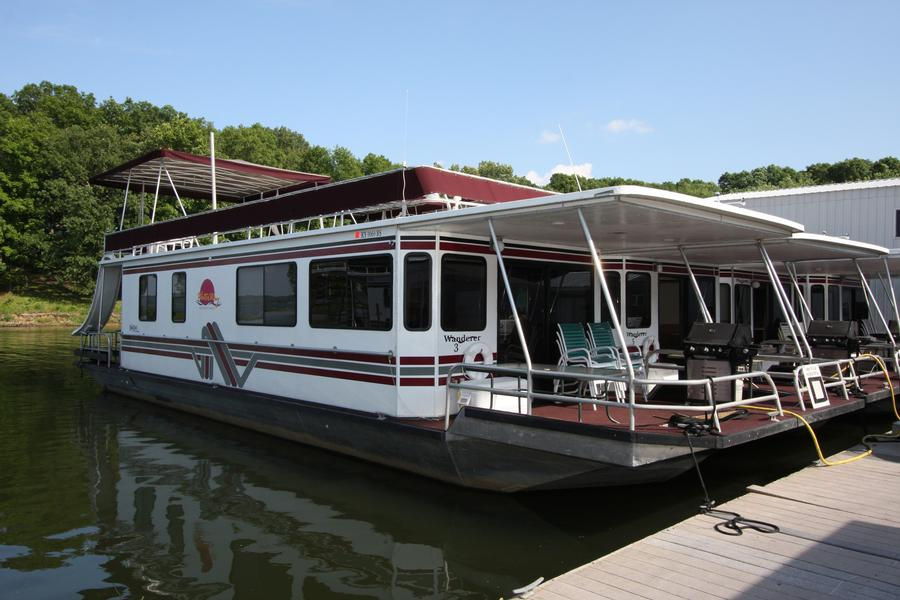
<point x="378" y="212"/>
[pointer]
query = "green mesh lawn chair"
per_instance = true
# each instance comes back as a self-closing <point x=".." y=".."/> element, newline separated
<point x="574" y="349"/>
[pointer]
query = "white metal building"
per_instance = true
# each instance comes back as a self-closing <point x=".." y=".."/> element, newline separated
<point x="867" y="211"/>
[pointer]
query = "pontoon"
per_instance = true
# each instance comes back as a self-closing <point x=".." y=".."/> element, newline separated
<point x="482" y="333"/>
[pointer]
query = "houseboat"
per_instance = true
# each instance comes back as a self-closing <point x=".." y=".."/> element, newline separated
<point x="482" y="333"/>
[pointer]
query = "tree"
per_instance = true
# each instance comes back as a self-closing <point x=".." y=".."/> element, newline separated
<point x="377" y="163"/>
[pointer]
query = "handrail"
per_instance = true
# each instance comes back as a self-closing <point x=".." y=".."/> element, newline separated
<point x="92" y="342"/>
<point x="707" y="384"/>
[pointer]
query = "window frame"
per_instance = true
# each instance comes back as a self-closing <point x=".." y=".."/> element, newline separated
<point x="647" y="316"/>
<point x="724" y="303"/>
<point x="183" y="297"/>
<point x="237" y="278"/>
<point x="142" y="296"/>
<point x="429" y="301"/>
<point x="472" y="259"/>
<point x="393" y="285"/>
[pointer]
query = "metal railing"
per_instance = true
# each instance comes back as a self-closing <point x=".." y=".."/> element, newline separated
<point x="711" y="406"/>
<point x="291" y="226"/>
<point x="99" y="344"/>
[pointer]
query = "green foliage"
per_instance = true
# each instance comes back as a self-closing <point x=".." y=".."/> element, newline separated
<point x="493" y="170"/>
<point x="775" y="177"/>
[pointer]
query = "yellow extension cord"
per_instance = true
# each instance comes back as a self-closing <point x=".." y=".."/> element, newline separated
<point x="812" y="433"/>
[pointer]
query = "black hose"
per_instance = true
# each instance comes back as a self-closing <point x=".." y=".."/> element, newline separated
<point x="733" y="523"/>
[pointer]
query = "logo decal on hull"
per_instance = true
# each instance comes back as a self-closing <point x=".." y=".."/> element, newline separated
<point x="206" y="297"/>
<point x="224" y="359"/>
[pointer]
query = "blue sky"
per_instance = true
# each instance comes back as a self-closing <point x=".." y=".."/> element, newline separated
<point x="649" y="90"/>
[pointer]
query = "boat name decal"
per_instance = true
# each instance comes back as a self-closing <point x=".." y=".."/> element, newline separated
<point x="206" y="297"/>
<point x="456" y="340"/>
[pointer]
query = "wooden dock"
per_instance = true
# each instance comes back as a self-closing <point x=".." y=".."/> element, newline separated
<point x="839" y="538"/>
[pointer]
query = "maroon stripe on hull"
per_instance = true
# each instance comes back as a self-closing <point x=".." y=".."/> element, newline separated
<point x="472" y="248"/>
<point x="417" y="245"/>
<point x="417" y="381"/>
<point x="416" y="360"/>
<point x="134" y="349"/>
<point x="326" y="373"/>
<point x="451" y="358"/>
<point x="285" y="255"/>
<point x="358" y="357"/>
<point x="541" y="255"/>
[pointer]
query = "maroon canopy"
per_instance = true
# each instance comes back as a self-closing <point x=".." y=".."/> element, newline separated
<point x="383" y="188"/>
<point x="236" y="180"/>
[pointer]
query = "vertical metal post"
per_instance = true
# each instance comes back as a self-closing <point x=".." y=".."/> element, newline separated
<point x="792" y="274"/>
<point x="704" y="311"/>
<point x="125" y="202"/>
<point x="175" y="191"/>
<point x="212" y="165"/>
<point x="784" y="302"/>
<point x="613" y="315"/>
<point x="868" y="290"/>
<point x="156" y="195"/>
<point x="890" y="286"/>
<point x="141" y="215"/>
<point x="515" y="312"/>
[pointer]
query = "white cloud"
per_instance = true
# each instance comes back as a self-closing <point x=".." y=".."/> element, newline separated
<point x="548" y="137"/>
<point x="626" y="125"/>
<point x="582" y="170"/>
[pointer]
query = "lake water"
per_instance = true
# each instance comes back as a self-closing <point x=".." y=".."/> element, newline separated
<point x="105" y="497"/>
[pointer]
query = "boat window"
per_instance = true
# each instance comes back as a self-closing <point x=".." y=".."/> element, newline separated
<point x="351" y="293"/>
<point x="147" y="298"/>
<point x="637" y="300"/>
<point x="724" y="303"/>
<point x="267" y="295"/>
<point x="817" y="301"/>
<point x="742" y="303"/>
<point x="834" y="303"/>
<point x="463" y="293"/>
<point x="179" y="297"/>
<point x="614" y="283"/>
<point x="417" y="292"/>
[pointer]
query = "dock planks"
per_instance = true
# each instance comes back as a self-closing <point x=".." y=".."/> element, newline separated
<point x="839" y="538"/>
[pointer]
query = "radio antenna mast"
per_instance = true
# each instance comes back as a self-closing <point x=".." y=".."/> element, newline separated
<point x="571" y="164"/>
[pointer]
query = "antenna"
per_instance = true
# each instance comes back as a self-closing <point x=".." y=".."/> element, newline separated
<point x="571" y="164"/>
<point x="403" y="209"/>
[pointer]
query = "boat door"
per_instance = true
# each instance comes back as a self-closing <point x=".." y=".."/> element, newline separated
<point x="545" y="294"/>
<point x="678" y="308"/>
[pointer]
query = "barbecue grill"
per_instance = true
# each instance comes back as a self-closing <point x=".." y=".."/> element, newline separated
<point x="833" y="339"/>
<point x="716" y="349"/>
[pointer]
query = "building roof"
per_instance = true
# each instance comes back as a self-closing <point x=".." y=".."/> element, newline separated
<point x="384" y="189"/>
<point x="236" y="180"/>
<point x="810" y="189"/>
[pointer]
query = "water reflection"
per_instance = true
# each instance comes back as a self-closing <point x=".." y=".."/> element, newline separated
<point x="108" y="497"/>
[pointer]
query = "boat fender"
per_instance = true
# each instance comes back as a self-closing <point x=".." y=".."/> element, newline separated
<point x="472" y="353"/>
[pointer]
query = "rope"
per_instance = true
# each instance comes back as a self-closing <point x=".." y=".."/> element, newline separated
<point x="733" y="524"/>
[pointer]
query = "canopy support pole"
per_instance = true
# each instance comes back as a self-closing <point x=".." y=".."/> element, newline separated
<point x="707" y="318"/>
<point x="175" y="191"/>
<point x="871" y="296"/>
<point x="889" y="283"/>
<point x="141" y="215"/>
<point x="613" y="315"/>
<point x="156" y="195"/>
<point x="784" y="302"/>
<point x="125" y="202"/>
<point x="515" y="312"/>
<point x="804" y="307"/>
